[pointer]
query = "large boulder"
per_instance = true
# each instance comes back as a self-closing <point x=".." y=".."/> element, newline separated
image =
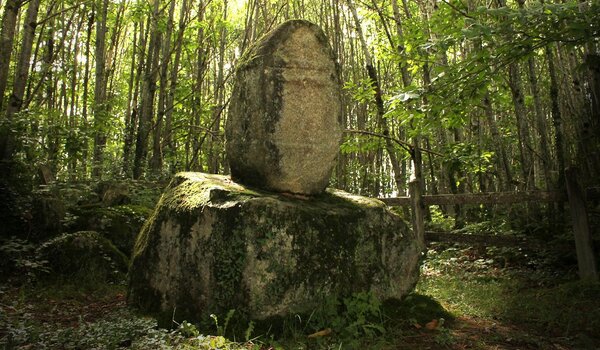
<point x="213" y="245"/>
<point x="283" y="129"/>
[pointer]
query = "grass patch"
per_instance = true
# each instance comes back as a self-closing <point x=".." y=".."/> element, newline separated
<point x="546" y="303"/>
<point x="566" y="310"/>
<point x="473" y="296"/>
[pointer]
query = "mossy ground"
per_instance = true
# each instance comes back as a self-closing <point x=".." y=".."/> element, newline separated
<point x="484" y="306"/>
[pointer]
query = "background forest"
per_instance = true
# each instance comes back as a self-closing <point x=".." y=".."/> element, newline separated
<point x="102" y="101"/>
<point x="500" y="96"/>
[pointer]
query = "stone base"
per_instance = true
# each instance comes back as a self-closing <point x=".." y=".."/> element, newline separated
<point x="213" y="245"/>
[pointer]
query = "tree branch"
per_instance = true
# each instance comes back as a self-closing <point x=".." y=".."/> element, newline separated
<point x="55" y="14"/>
<point x="405" y="145"/>
<point x="463" y="13"/>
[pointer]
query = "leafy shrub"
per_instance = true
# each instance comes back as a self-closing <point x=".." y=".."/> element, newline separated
<point x="414" y="309"/>
<point x="17" y="259"/>
<point x="355" y="317"/>
<point x="439" y="221"/>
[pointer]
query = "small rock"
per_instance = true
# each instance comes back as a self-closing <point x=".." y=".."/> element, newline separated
<point x="114" y="193"/>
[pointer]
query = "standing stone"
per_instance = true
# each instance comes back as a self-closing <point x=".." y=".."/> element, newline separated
<point x="214" y="245"/>
<point x="283" y="130"/>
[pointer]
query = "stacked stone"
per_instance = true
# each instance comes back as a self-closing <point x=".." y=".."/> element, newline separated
<point x="283" y="130"/>
<point x="214" y="244"/>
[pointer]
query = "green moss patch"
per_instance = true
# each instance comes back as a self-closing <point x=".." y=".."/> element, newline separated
<point x="417" y="309"/>
<point x="119" y="224"/>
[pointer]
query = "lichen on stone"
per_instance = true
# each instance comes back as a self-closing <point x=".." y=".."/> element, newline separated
<point x="283" y="129"/>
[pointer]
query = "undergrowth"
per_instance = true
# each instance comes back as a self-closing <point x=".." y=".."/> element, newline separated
<point x="477" y="283"/>
<point x="467" y="298"/>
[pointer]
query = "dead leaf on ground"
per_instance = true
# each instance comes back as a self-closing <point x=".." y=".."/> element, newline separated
<point x="434" y="324"/>
<point x="322" y="333"/>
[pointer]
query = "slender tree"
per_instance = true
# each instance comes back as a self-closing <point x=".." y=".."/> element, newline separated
<point x="156" y="162"/>
<point x="100" y="108"/>
<point x="219" y="99"/>
<point x="7" y="36"/>
<point x="194" y="140"/>
<point x="380" y="109"/>
<point x="174" y="80"/>
<point x="7" y="137"/>
<point x="148" y="94"/>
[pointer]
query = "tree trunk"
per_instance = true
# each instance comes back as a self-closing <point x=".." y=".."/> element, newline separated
<point x="100" y="115"/>
<point x="141" y="50"/>
<point x="7" y="141"/>
<point x="406" y="79"/>
<point x="148" y="93"/>
<point x="112" y="54"/>
<point x="72" y="143"/>
<point x="556" y="119"/>
<point x="516" y="88"/>
<point x="194" y="139"/>
<point x="524" y="141"/>
<point x="85" y="94"/>
<point x="170" y="103"/>
<point x="581" y="230"/>
<point x="590" y="130"/>
<point x="338" y="38"/>
<point x="501" y="156"/>
<point x="382" y="123"/>
<point x="156" y="162"/>
<point x="541" y="124"/>
<point x="7" y="37"/>
<point x="248" y="27"/>
<point x="539" y="117"/>
<point x="131" y="105"/>
<point x="219" y="101"/>
<point x="48" y="78"/>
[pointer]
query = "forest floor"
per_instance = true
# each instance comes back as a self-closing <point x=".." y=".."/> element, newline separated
<point x="489" y="303"/>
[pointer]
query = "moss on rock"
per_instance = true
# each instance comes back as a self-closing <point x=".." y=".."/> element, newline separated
<point x="83" y="256"/>
<point x="119" y="224"/>
<point x="47" y="213"/>
<point x="213" y="245"/>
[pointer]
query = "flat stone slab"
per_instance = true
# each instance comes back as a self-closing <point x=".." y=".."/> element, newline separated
<point x="213" y="245"/>
<point x="283" y="129"/>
